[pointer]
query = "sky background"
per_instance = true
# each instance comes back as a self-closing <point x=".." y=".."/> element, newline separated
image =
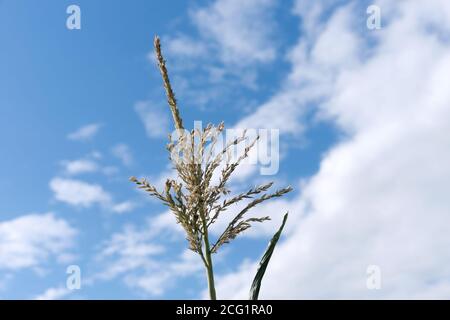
<point x="364" y="120"/>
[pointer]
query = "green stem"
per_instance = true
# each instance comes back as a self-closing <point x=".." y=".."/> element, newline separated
<point x="209" y="264"/>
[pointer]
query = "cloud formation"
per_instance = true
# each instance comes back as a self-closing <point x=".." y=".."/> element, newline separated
<point x="379" y="197"/>
<point x="142" y="260"/>
<point x="85" y="133"/>
<point x="241" y="30"/>
<point x="154" y="118"/>
<point x="53" y="294"/>
<point x="123" y="207"/>
<point x="79" y="166"/>
<point x="79" y="193"/>
<point x="30" y="240"/>
<point x="123" y="153"/>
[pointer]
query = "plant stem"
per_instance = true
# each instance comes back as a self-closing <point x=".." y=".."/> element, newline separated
<point x="209" y="264"/>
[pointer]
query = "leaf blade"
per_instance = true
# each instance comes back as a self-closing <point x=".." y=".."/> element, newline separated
<point x="256" y="285"/>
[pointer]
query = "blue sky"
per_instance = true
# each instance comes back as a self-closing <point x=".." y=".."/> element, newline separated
<point x="56" y="81"/>
<point x="83" y="110"/>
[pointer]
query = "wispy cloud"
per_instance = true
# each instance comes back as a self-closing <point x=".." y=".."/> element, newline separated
<point x="184" y="46"/>
<point x="123" y="153"/>
<point x="134" y="255"/>
<point x="79" y="193"/>
<point x="123" y="207"/>
<point x="75" y="167"/>
<point x="30" y="240"/>
<point x="56" y="293"/>
<point x="85" y="133"/>
<point x="154" y="117"/>
<point x="232" y="39"/>
<point x="156" y="281"/>
<point x="241" y="30"/>
<point x="126" y="251"/>
<point x="379" y="196"/>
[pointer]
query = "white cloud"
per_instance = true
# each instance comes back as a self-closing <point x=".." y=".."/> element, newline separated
<point x="155" y="119"/>
<point x="79" y="193"/>
<point x="53" y="294"/>
<point x="67" y="258"/>
<point x="79" y="166"/>
<point x="165" y="222"/>
<point x="84" y="133"/>
<point x="123" y="152"/>
<point x="184" y="46"/>
<point x="242" y="30"/>
<point x="123" y="207"/>
<point x="82" y="194"/>
<point x="164" y="275"/>
<point x="380" y="196"/>
<point x="135" y="255"/>
<point x="233" y="38"/>
<point x="311" y="78"/>
<point x="110" y="170"/>
<point x="127" y="251"/>
<point x="30" y="240"/>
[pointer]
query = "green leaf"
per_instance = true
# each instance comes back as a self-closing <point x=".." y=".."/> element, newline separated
<point x="256" y="285"/>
